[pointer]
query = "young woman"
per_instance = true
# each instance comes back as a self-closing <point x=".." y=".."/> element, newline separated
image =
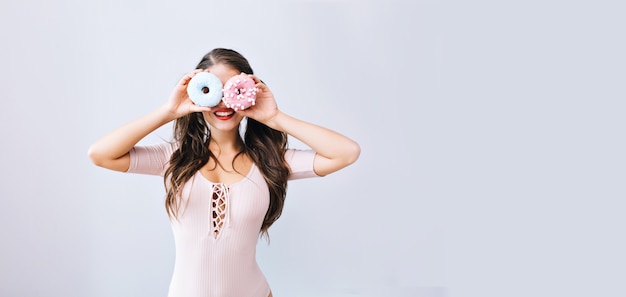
<point x="222" y="190"/>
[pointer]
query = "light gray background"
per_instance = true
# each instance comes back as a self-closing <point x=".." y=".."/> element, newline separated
<point x="492" y="137"/>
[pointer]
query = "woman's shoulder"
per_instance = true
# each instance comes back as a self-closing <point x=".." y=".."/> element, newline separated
<point x="165" y="147"/>
<point x="300" y="163"/>
<point x="295" y="154"/>
<point x="151" y="158"/>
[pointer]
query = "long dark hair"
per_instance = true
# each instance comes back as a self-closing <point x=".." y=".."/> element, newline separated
<point x="265" y="146"/>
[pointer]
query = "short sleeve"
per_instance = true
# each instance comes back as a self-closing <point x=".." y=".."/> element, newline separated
<point x="150" y="159"/>
<point x="300" y="163"/>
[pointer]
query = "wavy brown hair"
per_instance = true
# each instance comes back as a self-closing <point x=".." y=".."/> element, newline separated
<point x="265" y="147"/>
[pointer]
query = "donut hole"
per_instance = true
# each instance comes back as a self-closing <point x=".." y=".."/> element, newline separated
<point x="238" y="91"/>
<point x="205" y="90"/>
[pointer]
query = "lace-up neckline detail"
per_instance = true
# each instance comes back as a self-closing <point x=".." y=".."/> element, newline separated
<point x="219" y="208"/>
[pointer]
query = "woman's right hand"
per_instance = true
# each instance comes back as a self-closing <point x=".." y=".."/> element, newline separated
<point x="179" y="104"/>
<point x="112" y="150"/>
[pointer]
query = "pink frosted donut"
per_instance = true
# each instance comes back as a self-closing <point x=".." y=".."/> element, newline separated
<point x="239" y="92"/>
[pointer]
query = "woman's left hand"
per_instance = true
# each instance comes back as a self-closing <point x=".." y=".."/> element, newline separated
<point x="265" y="107"/>
<point x="333" y="151"/>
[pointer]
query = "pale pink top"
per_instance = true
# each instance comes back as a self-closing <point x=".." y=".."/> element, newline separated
<point x="217" y="256"/>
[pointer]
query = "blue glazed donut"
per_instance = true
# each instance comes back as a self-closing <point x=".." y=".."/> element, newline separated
<point x="205" y="89"/>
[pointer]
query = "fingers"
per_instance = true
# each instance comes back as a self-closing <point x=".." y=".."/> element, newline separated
<point x="258" y="83"/>
<point x="193" y="107"/>
<point x="256" y="79"/>
<point x="261" y="86"/>
<point x="185" y="79"/>
<point x="196" y="108"/>
<point x="244" y="112"/>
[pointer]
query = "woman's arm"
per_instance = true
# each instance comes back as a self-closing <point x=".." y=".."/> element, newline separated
<point x="334" y="151"/>
<point x="112" y="150"/>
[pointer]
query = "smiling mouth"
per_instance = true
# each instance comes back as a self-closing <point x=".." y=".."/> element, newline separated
<point x="224" y="114"/>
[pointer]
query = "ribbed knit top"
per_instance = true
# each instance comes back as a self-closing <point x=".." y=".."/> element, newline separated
<point x="218" y="226"/>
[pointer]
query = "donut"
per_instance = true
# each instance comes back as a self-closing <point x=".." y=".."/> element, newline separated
<point x="240" y="92"/>
<point x="205" y="89"/>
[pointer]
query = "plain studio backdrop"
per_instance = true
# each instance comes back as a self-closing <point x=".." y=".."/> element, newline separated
<point x="492" y="137"/>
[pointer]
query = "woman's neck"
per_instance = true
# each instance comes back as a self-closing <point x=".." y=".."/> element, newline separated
<point x="225" y="142"/>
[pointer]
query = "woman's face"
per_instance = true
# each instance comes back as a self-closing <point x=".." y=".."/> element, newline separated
<point x="220" y="117"/>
